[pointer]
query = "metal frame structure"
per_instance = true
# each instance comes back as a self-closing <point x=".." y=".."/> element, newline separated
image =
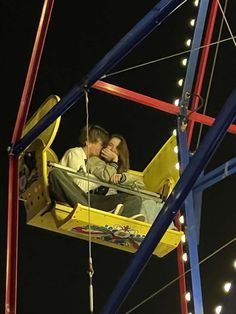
<point x="191" y="171"/>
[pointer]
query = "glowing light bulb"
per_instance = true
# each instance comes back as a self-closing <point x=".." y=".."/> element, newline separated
<point x="234" y="264"/>
<point x="185" y="257"/>
<point x="184" y="61"/>
<point x="188" y="296"/>
<point x="183" y="238"/>
<point x="177" y="166"/>
<point x="192" y="22"/>
<point x="227" y="286"/>
<point x="176" y="102"/>
<point x="176" y="150"/>
<point x="174" y="132"/>
<point x="181" y="219"/>
<point x="196" y="3"/>
<point x="188" y="42"/>
<point x="180" y="82"/>
<point x="218" y="309"/>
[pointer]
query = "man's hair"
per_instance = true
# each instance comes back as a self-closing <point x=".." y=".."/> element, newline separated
<point x="93" y="134"/>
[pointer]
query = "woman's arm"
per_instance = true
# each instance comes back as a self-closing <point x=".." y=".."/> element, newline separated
<point x="102" y="170"/>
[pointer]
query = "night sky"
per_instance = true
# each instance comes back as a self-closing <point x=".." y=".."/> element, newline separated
<point x="52" y="269"/>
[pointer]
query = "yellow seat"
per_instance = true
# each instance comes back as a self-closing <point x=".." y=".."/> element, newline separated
<point x="104" y="228"/>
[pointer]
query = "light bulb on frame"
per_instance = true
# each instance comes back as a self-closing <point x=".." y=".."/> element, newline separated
<point x="176" y="102"/>
<point x="188" y="296"/>
<point x="183" y="238"/>
<point x="196" y="3"/>
<point x="176" y="150"/>
<point x="188" y="42"/>
<point x="227" y="287"/>
<point x="234" y="264"/>
<point x="192" y="22"/>
<point x="177" y="166"/>
<point x="185" y="257"/>
<point x="180" y="82"/>
<point x="181" y="219"/>
<point x="218" y="309"/>
<point x="184" y="61"/>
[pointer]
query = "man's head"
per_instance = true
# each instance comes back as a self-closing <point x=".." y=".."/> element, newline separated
<point x="93" y="138"/>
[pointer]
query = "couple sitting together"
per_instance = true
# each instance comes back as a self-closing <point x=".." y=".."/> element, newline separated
<point x="107" y="158"/>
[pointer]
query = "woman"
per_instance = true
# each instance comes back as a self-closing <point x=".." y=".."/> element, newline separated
<point x="113" y="168"/>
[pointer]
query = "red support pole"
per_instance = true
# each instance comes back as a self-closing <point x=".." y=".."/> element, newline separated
<point x="202" y="65"/>
<point x="155" y="103"/>
<point x="13" y="186"/>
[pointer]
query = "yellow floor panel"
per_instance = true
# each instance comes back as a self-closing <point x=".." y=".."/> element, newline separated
<point x="107" y="229"/>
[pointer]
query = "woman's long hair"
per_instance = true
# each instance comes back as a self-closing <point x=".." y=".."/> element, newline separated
<point x="122" y="148"/>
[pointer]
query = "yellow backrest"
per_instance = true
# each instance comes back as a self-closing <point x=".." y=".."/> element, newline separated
<point x="48" y="135"/>
<point x="161" y="172"/>
<point x="33" y="163"/>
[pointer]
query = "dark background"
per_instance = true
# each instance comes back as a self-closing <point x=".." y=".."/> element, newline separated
<point x="52" y="270"/>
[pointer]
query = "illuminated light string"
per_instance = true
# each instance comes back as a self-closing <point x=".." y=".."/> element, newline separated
<point x="227" y="289"/>
<point x="207" y="258"/>
<point x="167" y="57"/>
<point x="180" y="82"/>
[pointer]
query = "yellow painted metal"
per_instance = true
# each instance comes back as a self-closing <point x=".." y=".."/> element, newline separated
<point x="105" y="228"/>
<point x="48" y="135"/>
<point x="161" y="172"/>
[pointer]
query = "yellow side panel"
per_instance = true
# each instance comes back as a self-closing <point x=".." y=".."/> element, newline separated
<point x="48" y="135"/>
<point x="162" y="169"/>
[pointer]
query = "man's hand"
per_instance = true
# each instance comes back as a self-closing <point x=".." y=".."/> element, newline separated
<point x="109" y="155"/>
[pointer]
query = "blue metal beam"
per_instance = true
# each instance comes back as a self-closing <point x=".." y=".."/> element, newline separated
<point x="144" y="27"/>
<point x="196" y="165"/>
<point x="192" y="228"/>
<point x="216" y="175"/>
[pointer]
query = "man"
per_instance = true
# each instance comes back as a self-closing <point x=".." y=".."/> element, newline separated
<point x="72" y="190"/>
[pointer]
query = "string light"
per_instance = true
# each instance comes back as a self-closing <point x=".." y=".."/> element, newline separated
<point x="234" y="264"/>
<point x="218" y="309"/>
<point x="184" y="61"/>
<point x="183" y="238"/>
<point x="227" y="287"/>
<point x="196" y="3"/>
<point x="177" y="166"/>
<point x="181" y="219"/>
<point x="188" y="42"/>
<point x="188" y="296"/>
<point x="174" y="132"/>
<point x="192" y="22"/>
<point x="180" y="82"/>
<point x="176" y="150"/>
<point x="176" y="102"/>
<point x="185" y="257"/>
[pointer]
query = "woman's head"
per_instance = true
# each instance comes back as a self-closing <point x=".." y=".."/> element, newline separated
<point x="118" y="145"/>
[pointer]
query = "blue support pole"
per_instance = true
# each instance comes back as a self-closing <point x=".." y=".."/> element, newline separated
<point x="192" y="228"/>
<point x="196" y="165"/>
<point x="146" y="25"/>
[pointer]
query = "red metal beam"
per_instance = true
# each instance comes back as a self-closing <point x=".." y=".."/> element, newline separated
<point x="13" y="185"/>
<point x="155" y="103"/>
<point x="202" y="65"/>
